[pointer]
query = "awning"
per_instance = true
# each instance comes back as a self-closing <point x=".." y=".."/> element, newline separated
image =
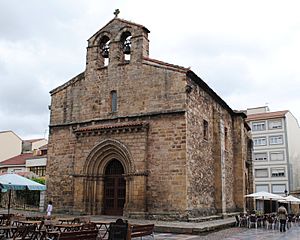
<point x="16" y="182"/>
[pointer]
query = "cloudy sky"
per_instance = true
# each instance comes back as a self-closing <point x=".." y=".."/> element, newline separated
<point x="247" y="50"/>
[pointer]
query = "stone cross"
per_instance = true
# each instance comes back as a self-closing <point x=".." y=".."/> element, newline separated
<point x="116" y="12"/>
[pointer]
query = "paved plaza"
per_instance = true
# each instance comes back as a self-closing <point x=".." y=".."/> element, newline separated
<point x="228" y="233"/>
<point x="236" y="233"/>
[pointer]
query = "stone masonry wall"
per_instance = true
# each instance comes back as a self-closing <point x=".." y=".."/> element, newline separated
<point x="60" y="167"/>
<point x="161" y="152"/>
<point x="204" y="156"/>
<point x="140" y="89"/>
<point x="166" y="183"/>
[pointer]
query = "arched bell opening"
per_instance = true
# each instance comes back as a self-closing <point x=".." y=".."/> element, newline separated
<point x="114" y="188"/>
<point x="126" y="45"/>
<point x="104" y="48"/>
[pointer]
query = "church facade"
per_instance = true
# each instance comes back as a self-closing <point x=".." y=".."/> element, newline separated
<point x="142" y="138"/>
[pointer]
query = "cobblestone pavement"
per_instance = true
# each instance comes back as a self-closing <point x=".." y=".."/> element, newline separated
<point x="236" y="234"/>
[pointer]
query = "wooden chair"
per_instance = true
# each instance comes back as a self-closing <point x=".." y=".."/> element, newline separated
<point x="24" y="232"/>
<point x="141" y="230"/>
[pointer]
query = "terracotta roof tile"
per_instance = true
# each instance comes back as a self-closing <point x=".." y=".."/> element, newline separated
<point x="268" y="115"/>
<point x="164" y="64"/>
<point x="17" y="160"/>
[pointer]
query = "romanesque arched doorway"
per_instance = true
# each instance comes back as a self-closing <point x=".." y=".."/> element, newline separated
<point x="105" y="189"/>
<point x="114" y="188"/>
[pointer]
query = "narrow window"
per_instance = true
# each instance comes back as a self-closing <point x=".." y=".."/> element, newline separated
<point x="114" y="100"/>
<point x="226" y="138"/>
<point x="205" y="130"/>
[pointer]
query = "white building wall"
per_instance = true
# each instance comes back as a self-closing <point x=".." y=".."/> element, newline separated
<point x="15" y="169"/>
<point x="10" y="145"/>
<point x="36" y="162"/>
<point x="293" y="135"/>
<point x="38" y="144"/>
<point x="275" y="184"/>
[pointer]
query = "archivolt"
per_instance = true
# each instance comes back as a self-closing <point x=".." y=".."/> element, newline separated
<point x="101" y="154"/>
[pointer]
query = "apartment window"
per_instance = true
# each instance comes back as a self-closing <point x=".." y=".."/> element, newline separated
<point x="275" y="124"/>
<point x="40" y="171"/>
<point x="258" y="126"/>
<point x="261" y="156"/>
<point x="274" y="140"/>
<point x="278" y="188"/>
<point x="277" y="172"/>
<point x="114" y="101"/>
<point x="277" y="156"/>
<point x="262" y="188"/>
<point x="261" y="173"/>
<point x="261" y="141"/>
<point x="205" y="129"/>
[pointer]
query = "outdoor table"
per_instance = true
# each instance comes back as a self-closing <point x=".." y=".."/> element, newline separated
<point x="103" y="227"/>
<point x="68" y="227"/>
<point x="7" y="231"/>
<point x="66" y="220"/>
<point x="29" y="222"/>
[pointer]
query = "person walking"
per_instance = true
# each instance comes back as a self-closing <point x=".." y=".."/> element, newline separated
<point x="282" y="216"/>
<point x="49" y="209"/>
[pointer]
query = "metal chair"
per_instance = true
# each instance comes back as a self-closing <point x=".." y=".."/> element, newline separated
<point x="252" y="221"/>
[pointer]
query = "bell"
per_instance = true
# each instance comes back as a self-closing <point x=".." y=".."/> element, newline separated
<point x="105" y="53"/>
<point x="126" y="49"/>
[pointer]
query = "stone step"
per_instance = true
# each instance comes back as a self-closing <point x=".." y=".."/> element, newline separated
<point x="204" y="219"/>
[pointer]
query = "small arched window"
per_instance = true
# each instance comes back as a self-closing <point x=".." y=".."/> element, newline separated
<point x="114" y="101"/>
<point x="104" y="47"/>
<point x="126" y="45"/>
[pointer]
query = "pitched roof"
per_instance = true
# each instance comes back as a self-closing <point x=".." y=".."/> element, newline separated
<point x="44" y="147"/>
<point x="123" y="21"/>
<point x="165" y="65"/>
<point x="10" y="131"/>
<point x="33" y="140"/>
<point x="193" y="76"/>
<point x="17" y="160"/>
<point x="267" y="115"/>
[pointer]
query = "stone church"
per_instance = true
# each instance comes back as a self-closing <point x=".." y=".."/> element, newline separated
<point x="142" y="138"/>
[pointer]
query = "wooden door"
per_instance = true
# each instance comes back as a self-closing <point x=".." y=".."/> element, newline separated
<point x="114" y="189"/>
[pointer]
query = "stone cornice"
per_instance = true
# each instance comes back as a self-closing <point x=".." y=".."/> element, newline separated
<point x="117" y="118"/>
<point x="111" y="128"/>
<point x="93" y="177"/>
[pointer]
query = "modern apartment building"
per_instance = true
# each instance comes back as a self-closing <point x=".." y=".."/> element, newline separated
<point x="10" y="145"/>
<point x="22" y="156"/>
<point x="276" y="150"/>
